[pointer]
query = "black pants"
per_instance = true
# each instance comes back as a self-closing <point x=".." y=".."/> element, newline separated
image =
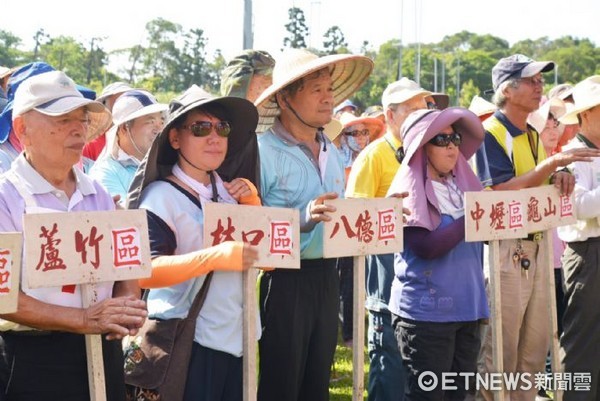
<point x="345" y="268"/>
<point x="436" y="348"/>
<point x="213" y="376"/>
<point x="580" y="352"/>
<point x="299" y="310"/>
<point x="53" y="366"/>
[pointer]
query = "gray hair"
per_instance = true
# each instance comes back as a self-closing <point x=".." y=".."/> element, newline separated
<point x="499" y="99"/>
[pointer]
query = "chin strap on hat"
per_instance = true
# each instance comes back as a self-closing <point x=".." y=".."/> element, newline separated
<point x="320" y="130"/>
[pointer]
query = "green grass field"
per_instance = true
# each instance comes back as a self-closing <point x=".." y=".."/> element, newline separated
<point x="340" y="385"/>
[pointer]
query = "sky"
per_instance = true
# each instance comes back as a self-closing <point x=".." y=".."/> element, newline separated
<point x="121" y="23"/>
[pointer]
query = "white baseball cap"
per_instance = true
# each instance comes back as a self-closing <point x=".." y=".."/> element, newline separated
<point x="130" y="105"/>
<point x="401" y="91"/>
<point x="53" y="93"/>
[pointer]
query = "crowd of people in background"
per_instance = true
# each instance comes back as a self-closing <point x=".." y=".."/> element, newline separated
<point x="285" y="132"/>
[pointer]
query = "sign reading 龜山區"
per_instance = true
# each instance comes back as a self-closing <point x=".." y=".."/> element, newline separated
<point x="495" y="215"/>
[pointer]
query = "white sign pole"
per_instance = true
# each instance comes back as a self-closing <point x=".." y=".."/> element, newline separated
<point x="550" y="287"/>
<point x="358" y="329"/>
<point x="93" y="347"/>
<point x="496" y="302"/>
<point x="250" y="348"/>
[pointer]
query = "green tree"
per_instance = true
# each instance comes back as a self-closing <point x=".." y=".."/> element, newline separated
<point x="66" y="54"/>
<point x="10" y="55"/>
<point x="467" y="92"/>
<point x="160" y="59"/>
<point x="297" y="29"/>
<point x="334" y="40"/>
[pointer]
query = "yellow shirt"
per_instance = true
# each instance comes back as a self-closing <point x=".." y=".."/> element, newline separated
<point x="374" y="169"/>
<point x="509" y="154"/>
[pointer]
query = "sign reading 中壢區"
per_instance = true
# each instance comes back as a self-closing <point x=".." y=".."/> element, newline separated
<point x="495" y="215"/>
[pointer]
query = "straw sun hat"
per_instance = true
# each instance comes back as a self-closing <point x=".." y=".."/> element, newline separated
<point x="348" y="73"/>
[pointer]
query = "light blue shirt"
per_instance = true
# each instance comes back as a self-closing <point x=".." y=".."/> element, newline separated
<point x="115" y="175"/>
<point x="291" y="178"/>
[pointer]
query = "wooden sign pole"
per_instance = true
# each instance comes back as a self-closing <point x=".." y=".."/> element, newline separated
<point x="250" y="311"/>
<point x="496" y="302"/>
<point x="548" y="262"/>
<point x="358" y="329"/>
<point x="93" y="346"/>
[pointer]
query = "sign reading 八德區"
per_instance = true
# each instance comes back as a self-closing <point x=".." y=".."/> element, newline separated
<point x="363" y="227"/>
<point x="275" y="231"/>
<point x="495" y="215"/>
<point x="10" y="271"/>
<point x="86" y="247"/>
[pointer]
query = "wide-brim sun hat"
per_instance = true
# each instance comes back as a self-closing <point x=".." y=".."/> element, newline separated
<point x="422" y="125"/>
<point x="442" y="100"/>
<point x="348" y="73"/>
<point x="113" y="89"/>
<point x="4" y="71"/>
<point x="158" y="162"/>
<point x="130" y="105"/>
<point x="538" y="118"/>
<point x="373" y="124"/>
<point x="54" y="94"/>
<point x="481" y="107"/>
<point x="586" y="95"/>
<point x="333" y="129"/>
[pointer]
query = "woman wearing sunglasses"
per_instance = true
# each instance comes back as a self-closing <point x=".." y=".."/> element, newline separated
<point x="438" y="296"/>
<point x="173" y="183"/>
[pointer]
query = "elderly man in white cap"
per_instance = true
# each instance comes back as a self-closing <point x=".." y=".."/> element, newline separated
<point x="43" y="344"/>
<point x="301" y="169"/>
<point x="370" y="177"/>
<point x="581" y="319"/>
<point x="137" y="119"/>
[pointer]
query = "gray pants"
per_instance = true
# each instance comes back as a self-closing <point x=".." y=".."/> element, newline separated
<point x="580" y="342"/>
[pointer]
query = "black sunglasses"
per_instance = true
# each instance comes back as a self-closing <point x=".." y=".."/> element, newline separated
<point x="204" y="128"/>
<point x="443" y="140"/>
<point x="355" y="133"/>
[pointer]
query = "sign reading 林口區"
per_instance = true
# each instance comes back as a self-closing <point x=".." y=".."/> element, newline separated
<point x="86" y="247"/>
<point x="275" y="231"/>
<point x="363" y="227"/>
<point x="10" y="271"/>
<point x="495" y="215"/>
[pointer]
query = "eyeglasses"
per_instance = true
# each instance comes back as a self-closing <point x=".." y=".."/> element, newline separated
<point x="355" y="133"/>
<point x="443" y="140"/>
<point x="432" y="106"/>
<point x="533" y="81"/>
<point x="204" y="128"/>
<point x="552" y="121"/>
